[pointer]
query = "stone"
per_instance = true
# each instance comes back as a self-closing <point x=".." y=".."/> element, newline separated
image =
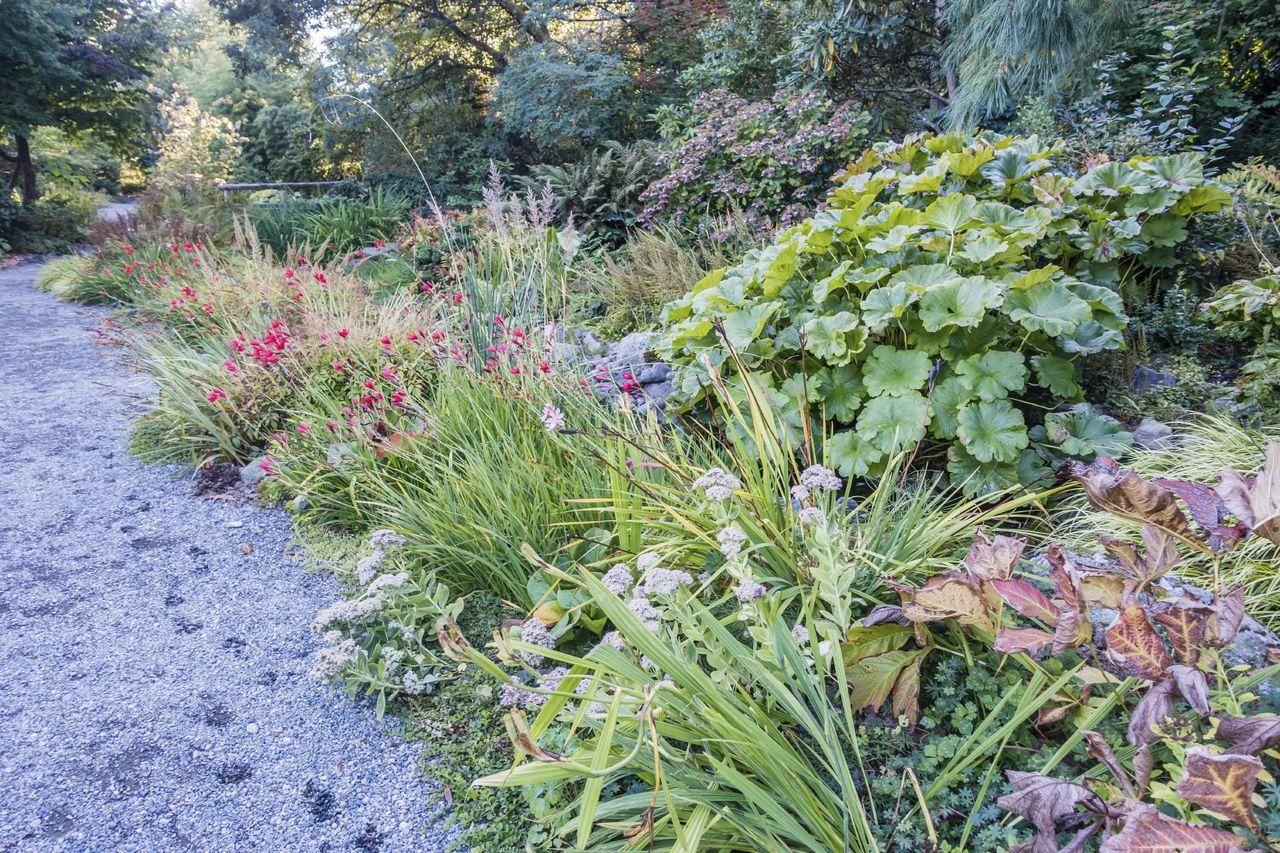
<point x="659" y="392"/>
<point x="591" y="345"/>
<point x="1151" y="434"/>
<point x="253" y="473"/>
<point x="1145" y="378"/>
<point x="629" y="353"/>
<point x="658" y="372"/>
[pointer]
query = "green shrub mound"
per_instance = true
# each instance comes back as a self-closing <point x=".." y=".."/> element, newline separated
<point x="949" y="289"/>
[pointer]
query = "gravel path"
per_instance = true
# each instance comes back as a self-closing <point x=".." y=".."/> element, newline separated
<point x="154" y="687"/>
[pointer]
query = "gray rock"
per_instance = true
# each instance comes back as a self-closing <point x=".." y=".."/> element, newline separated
<point x="591" y="345"/>
<point x="383" y="251"/>
<point x="659" y="392"/>
<point x="567" y="353"/>
<point x="658" y="372"/>
<point x="1151" y="434"/>
<point x="253" y="473"/>
<point x="1145" y="378"/>
<point x="629" y="353"/>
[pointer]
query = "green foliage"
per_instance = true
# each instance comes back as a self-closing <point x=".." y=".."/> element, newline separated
<point x="337" y="225"/>
<point x="599" y="194"/>
<point x="564" y="95"/>
<point x="950" y="278"/>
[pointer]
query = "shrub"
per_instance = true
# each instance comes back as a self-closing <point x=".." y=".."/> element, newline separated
<point x="599" y="194"/>
<point x="339" y="225"/>
<point x="950" y="278"/>
<point x="771" y="159"/>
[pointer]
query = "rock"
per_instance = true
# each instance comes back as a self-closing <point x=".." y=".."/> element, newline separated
<point x="591" y="345"/>
<point x="568" y="353"/>
<point x="1151" y="434"/>
<point x="1145" y="378"/>
<point x="629" y="353"/>
<point x="656" y="373"/>
<point x="252" y="728"/>
<point x="253" y="473"/>
<point x="234" y="524"/>
<point x="659" y="392"/>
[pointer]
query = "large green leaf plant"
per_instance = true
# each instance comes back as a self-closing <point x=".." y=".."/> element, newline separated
<point x="946" y="293"/>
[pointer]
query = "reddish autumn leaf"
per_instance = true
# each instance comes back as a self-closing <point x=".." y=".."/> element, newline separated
<point x="1099" y="748"/>
<point x="1194" y="687"/>
<point x="1221" y="783"/>
<point x="1121" y="492"/>
<point x="1208" y="510"/>
<point x="1249" y="735"/>
<point x="1041" y="800"/>
<point x="1146" y="830"/>
<point x="990" y="558"/>
<point x="1065" y="579"/>
<point x="1151" y="711"/>
<point x="1186" y="622"/>
<point x="1228" y="615"/>
<point x="1030" y="640"/>
<point x="1073" y="629"/>
<point x="1134" y="647"/>
<point x="1023" y="597"/>
<point x="1159" y="554"/>
<point x="1256" y="502"/>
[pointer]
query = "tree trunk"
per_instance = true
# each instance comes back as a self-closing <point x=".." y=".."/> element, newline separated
<point x="24" y="171"/>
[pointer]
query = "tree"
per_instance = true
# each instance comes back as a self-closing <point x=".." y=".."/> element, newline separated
<point x="74" y="65"/>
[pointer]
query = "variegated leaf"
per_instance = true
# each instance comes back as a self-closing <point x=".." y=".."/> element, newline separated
<point x="1134" y="647"/>
<point x="1186" y="622"/>
<point x="1146" y="830"/>
<point x="1030" y="640"/>
<point x="1222" y="784"/>
<point x="1025" y="598"/>
<point x="993" y="557"/>
<point x="1121" y="492"/>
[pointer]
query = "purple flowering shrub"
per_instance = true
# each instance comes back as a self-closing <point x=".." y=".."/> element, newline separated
<point x="769" y="160"/>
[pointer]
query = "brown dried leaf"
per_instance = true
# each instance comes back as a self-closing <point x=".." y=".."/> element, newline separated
<point x="1134" y="647"/>
<point x="885" y="613"/>
<point x="1065" y="579"/>
<point x="1194" y="687"/>
<point x="1030" y="640"/>
<point x="1120" y="492"/>
<point x="1073" y="629"/>
<point x="518" y="730"/>
<point x="1150" y="711"/>
<point x="1101" y="750"/>
<point x="1146" y="830"/>
<point x="991" y="558"/>
<point x="906" y="692"/>
<point x="872" y="679"/>
<point x="1143" y="763"/>
<point x="1249" y="735"/>
<point x="1042" y="800"/>
<point x="1159" y="553"/>
<point x="1102" y="590"/>
<point x="944" y="597"/>
<point x="1186" y="622"/>
<point x="1228" y="615"/>
<point x="1256" y="502"/>
<point x="1222" y="784"/>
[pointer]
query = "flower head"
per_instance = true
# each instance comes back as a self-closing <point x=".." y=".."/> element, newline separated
<point x="618" y="579"/>
<point x="534" y="633"/>
<point x="717" y="484"/>
<point x="749" y="591"/>
<point x="664" y="581"/>
<point x="552" y="418"/>
<point x="731" y="540"/>
<point x="819" y="477"/>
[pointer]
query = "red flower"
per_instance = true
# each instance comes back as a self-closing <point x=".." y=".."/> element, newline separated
<point x="217" y="394"/>
<point x="342" y="333"/>
<point x="229" y="365"/>
<point x="544" y="367"/>
<point x="339" y="366"/>
<point x="128" y="250"/>
<point x="288" y="272"/>
<point x="303" y="429"/>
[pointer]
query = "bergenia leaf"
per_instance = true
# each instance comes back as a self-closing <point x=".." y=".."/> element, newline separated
<point x="1228" y="615"/>
<point x="1222" y="784"/>
<point x="1121" y="492"/>
<point x="1023" y="597"/>
<point x="1249" y="735"/>
<point x="1151" y="711"/>
<point x="1134" y="647"/>
<point x="943" y="597"/>
<point x="1043" y="800"/>
<point x="1193" y="684"/>
<point x="1146" y="830"/>
<point x="1032" y="641"/>
<point x="1256" y="502"/>
<point x="1187" y="622"/>
<point x="993" y="557"/>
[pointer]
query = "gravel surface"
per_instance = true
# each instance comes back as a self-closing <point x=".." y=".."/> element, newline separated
<point x="154" y="686"/>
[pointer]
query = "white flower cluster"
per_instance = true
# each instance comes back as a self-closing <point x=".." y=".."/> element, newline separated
<point x="731" y="540"/>
<point x="383" y="542"/>
<point x="812" y="515"/>
<point x="645" y="611"/>
<point x="748" y="591"/>
<point x="664" y="581"/>
<point x="382" y="582"/>
<point x="414" y="685"/>
<point x="647" y="561"/>
<point x="535" y="633"/>
<point x="817" y="477"/>
<point x="329" y="662"/>
<point x="717" y="484"/>
<point x="516" y="695"/>
<point x="348" y="612"/>
<point x="618" y="579"/>
<point x="552" y="418"/>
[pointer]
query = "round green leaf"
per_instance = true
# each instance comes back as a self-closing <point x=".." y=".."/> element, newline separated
<point x="891" y="371"/>
<point x="947" y="398"/>
<point x="892" y="423"/>
<point x="1047" y="307"/>
<point x="1058" y="375"/>
<point x="994" y="374"/>
<point x="977" y="478"/>
<point x="961" y="303"/>
<point x="992" y="432"/>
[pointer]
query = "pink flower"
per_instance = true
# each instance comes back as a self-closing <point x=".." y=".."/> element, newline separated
<point x="216" y="394"/>
<point x="303" y="429"/>
<point x="230" y="366"/>
<point x="342" y="333"/>
<point x="288" y="272"/>
<point x="339" y="366"/>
